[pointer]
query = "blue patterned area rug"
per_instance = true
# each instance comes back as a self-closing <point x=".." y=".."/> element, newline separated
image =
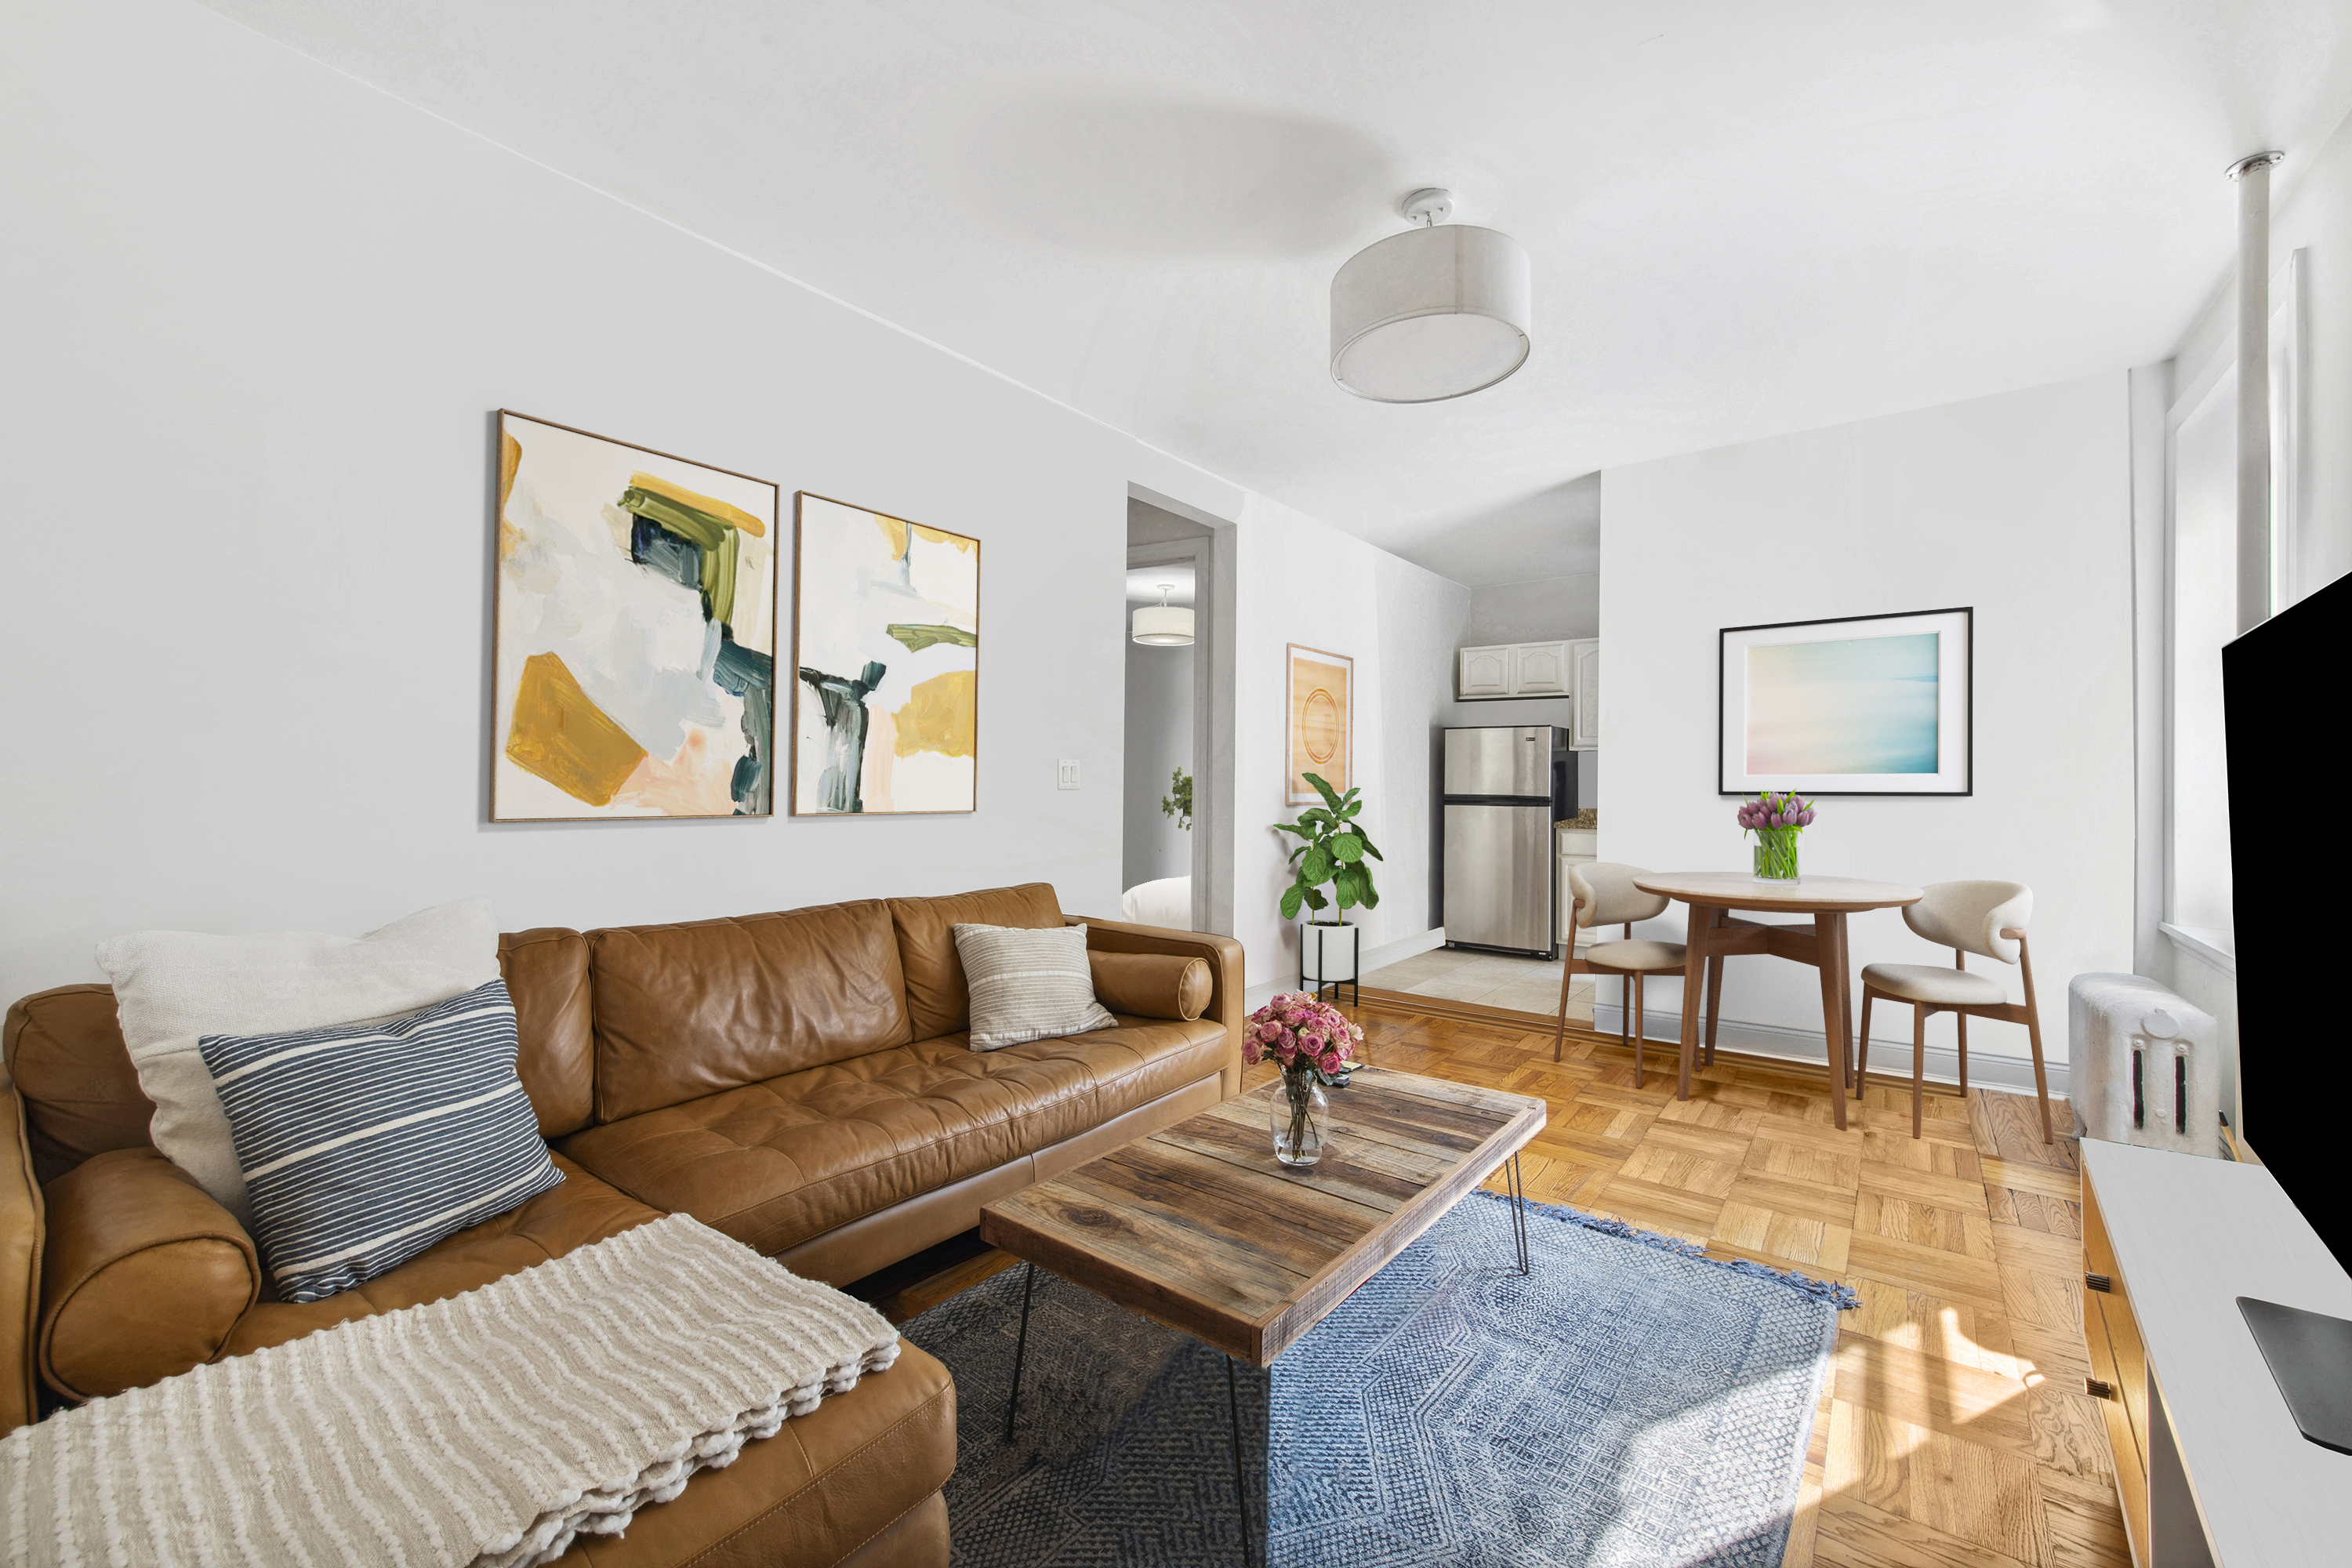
<point x="1627" y="1404"/>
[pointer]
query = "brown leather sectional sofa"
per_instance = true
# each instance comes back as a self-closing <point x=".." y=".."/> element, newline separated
<point x="799" y="1081"/>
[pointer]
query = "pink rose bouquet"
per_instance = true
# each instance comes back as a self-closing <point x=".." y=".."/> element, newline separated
<point x="1314" y="1045"/>
<point x="1303" y="1037"/>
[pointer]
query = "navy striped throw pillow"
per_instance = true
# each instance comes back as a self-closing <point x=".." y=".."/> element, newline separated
<point x="363" y="1144"/>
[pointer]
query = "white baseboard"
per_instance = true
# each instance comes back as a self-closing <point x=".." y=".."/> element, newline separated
<point x="1987" y="1069"/>
<point x="1390" y="952"/>
<point x="1371" y="958"/>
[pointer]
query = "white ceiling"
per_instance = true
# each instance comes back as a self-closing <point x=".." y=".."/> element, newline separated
<point x="1744" y="218"/>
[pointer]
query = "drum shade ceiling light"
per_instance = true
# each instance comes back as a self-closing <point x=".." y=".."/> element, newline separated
<point x="1438" y="311"/>
<point x="1164" y="624"/>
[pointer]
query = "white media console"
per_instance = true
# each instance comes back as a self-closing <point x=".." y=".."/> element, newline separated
<point x="2210" y="1464"/>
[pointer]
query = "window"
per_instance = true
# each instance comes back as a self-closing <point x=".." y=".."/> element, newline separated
<point x="2203" y="604"/>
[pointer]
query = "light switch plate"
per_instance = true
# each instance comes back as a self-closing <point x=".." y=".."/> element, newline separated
<point x="1070" y="775"/>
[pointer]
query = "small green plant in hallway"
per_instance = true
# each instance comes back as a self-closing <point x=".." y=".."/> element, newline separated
<point x="1179" y="804"/>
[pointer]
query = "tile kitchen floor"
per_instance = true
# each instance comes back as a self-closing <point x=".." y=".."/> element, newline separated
<point x="1489" y="979"/>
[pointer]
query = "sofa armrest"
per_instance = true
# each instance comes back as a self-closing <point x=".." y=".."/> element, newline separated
<point x="20" y="1266"/>
<point x="1152" y="985"/>
<point x="1223" y="954"/>
<point x="144" y="1274"/>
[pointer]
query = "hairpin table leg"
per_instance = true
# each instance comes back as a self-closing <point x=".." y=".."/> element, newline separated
<point x="1241" y="1487"/>
<point x="1518" y="1189"/>
<point x="1020" y="1350"/>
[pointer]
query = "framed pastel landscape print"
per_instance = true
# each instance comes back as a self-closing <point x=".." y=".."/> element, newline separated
<point x="1321" y="730"/>
<point x="635" y="644"/>
<point x="885" y="709"/>
<point x="1859" y="705"/>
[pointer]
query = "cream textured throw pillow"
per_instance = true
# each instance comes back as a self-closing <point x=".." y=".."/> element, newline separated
<point x="1028" y="984"/>
<point x="173" y="987"/>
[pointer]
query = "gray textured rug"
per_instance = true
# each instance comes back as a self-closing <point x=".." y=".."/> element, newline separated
<point x="1626" y="1404"/>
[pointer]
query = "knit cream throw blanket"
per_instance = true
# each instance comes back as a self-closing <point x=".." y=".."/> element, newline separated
<point x="489" y="1428"/>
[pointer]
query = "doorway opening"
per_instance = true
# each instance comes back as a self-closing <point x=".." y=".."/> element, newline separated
<point x="1175" y="808"/>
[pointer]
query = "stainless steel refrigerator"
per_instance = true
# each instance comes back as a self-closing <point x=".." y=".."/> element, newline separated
<point x="1504" y="788"/>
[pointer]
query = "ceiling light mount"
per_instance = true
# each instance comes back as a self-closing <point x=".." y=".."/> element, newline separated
<point x="1438" y="311"/>
<point x="2248" y="164"/>
<point x="1427" y="209"/>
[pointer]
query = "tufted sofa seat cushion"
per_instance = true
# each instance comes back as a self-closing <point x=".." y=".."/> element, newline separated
<point x="567" y="1216"/>
<point x="777" y="1163"/>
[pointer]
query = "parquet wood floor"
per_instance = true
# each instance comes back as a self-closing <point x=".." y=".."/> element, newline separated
<point x="1955" y="1433"/>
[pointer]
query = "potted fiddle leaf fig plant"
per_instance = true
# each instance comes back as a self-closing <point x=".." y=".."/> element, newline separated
<point x="1334" y="851"/>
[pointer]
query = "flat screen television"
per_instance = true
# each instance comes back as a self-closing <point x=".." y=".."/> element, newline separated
<point x="2282" y="700"/>
<point x="2282" y="708"/>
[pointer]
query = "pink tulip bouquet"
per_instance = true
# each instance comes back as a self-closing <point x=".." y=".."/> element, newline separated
<point x="1314" y="1043"/>
<point x="1776" y="818"/>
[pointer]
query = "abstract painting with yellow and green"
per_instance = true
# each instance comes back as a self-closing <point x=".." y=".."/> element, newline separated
<point x="887" y="705"/>
<point x="636" y="632"/>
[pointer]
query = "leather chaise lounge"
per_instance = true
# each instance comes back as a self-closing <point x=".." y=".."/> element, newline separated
<point x="800" y="1081"/>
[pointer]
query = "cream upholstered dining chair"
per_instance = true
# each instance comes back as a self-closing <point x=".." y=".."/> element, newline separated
<point x="1604" y="895"/>
<point x="1986" y="918"/>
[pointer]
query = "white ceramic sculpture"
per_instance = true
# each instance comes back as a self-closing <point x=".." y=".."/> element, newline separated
<point x="2143" y="1064"/>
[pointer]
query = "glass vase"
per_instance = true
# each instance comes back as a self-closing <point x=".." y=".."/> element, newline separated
<point x="1776" y="854"/>
<point x="1299" y="1115"/>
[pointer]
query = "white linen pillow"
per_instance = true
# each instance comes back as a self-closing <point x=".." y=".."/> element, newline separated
<point x="170" y="987"/>
<point x="1028" y="984"/>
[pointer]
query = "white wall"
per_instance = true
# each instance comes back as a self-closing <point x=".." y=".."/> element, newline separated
<point x="253" y="362"/>
<point x="1304" y="581"/>
<point x="1159" y="740"/>
<point x="2018" y="505"/>
<point x="1417" y="614"/>
<point x="1534" y="611"/>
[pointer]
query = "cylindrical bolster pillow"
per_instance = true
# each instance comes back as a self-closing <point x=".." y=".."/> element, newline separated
<point x="142" y="1276"/>
<point x="1152" y="985"/>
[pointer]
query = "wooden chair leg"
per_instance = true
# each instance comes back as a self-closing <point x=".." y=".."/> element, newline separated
<point x="1963" y="1019"/>
<point x="1637" y="1031"/>
<point x="1862" y="1047"/>
<point x="2033" y="1028"/>
<point x="1625" y="1011"/>
<point x="2041" y="1076"/>
<point x="1714" y="1002"/>
<point x="1919" y="1062"/>
<point x="1560" y="1030"/>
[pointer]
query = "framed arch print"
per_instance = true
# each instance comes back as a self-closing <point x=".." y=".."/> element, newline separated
<point x="1322" y="739"/>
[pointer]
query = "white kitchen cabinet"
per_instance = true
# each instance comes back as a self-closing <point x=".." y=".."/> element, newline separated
<point x="1584" y="677"/>
<point x="1570" y="668"/>
<point x="1539" y="670"/>
<point x="1486" y="671"/>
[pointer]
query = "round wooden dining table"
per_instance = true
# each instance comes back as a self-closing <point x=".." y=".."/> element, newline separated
<point x="1717" y="934"/>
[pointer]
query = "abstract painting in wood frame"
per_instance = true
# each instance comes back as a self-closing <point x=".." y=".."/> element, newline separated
<point x="634" y="633"/>
<point x="886" y="706"/>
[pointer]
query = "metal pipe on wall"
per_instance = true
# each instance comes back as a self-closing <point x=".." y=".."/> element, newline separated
<point x="2253" y="177"/>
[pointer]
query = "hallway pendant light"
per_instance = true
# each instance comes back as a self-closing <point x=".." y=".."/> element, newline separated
<point x="1164" y="624"/>
<point x="1438" y="311"/>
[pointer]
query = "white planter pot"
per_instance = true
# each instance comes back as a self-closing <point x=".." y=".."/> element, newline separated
<point x="1327" y="955"/>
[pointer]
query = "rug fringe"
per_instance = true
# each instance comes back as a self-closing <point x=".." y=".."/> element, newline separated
<point x="1841" y="1297"/>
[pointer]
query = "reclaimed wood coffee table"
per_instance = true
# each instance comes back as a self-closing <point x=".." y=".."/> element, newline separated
<point x="1200" y="1228"/>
